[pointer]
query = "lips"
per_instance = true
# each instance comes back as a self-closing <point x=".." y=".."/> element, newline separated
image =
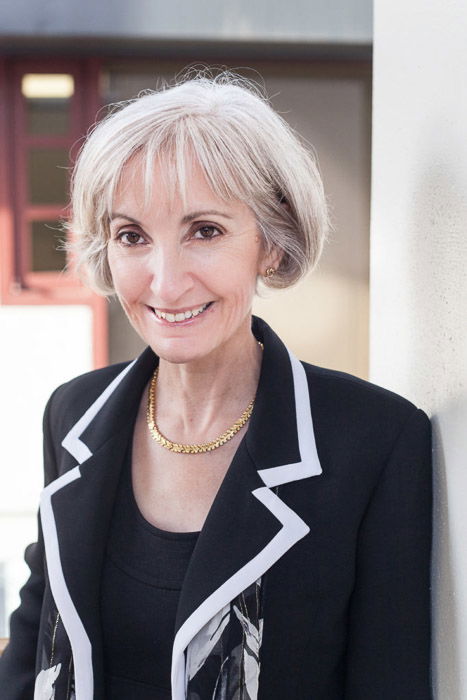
<point x="181" y="316"/>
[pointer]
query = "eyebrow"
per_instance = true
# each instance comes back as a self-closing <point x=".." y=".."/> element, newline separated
<point x="185" y="220"/>
<point x="117" y="215"/>
<point x="198" y="214"/>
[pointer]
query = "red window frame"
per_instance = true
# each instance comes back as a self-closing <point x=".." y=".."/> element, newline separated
<point x="18" y="283"/>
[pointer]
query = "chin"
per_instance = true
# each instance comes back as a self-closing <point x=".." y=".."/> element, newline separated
<point x="169" y="352"/>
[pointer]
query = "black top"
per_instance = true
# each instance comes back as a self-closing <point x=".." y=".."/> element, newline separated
<point x="142" y="577"/>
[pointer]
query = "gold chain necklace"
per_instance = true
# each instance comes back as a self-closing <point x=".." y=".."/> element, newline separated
<point x="196" y="448"/>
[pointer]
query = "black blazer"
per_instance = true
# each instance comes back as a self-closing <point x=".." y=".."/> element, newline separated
<point x="327" y="502"/>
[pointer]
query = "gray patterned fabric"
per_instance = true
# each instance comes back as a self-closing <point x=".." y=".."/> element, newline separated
<point x="222" y="662"/>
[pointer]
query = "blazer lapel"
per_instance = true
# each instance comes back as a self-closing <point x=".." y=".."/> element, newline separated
<point x="76" y="510"/>
<point x="249" y="527"/>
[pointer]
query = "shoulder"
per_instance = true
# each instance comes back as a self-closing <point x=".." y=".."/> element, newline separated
<point x="71" y="399"/>
<point x="341" y="401"/>
<point x="356" y="413"/>
<point x="89" y="385"/>
<point x="354" y="391"/>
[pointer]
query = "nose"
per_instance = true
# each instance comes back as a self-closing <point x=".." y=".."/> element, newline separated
<point x="170" y="278"/>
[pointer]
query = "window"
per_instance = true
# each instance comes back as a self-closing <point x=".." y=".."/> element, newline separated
<point x="49" y="106"/>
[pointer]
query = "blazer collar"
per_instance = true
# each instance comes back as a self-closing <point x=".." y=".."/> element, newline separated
<point x="248" y="528"/>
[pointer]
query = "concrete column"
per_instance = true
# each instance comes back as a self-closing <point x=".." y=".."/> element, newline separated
<point x="418" y="284"/>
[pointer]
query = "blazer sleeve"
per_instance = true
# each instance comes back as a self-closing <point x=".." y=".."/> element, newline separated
<point x="388" y="654"/>
<point x="18" y="662"/>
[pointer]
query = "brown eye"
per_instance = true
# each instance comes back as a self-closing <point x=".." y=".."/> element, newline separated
<point x="206" y="232"/>
<point x="130" y="238"/>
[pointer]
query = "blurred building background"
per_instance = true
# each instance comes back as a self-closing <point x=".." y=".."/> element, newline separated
<point x="61" y="64"/>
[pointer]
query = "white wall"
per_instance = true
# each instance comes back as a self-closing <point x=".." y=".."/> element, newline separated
<point x="418" y="284"/>
<point x="41" y="347"/>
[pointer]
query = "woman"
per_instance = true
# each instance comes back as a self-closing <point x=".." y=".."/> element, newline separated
<point x="219" y="519"/>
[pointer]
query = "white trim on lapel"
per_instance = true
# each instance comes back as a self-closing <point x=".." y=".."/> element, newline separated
<point x="72" y="441"/>
<point x="79" y="640"/>
<point x="293" y="529"/>
<point x="309" y="462"/>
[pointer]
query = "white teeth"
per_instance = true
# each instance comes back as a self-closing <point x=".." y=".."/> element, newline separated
<point x="182" y="316"/>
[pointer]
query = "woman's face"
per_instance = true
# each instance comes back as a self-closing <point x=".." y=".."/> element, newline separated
<point x="185" y="273"/>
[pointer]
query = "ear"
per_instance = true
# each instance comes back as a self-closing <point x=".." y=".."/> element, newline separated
<point x="271" y="259"/>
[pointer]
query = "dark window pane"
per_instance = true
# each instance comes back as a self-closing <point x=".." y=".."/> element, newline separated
<point x="48" y="98"/>
<point x="46" y="237"/>
<point x="48" y="175"/>
<point x="48" y="116"/>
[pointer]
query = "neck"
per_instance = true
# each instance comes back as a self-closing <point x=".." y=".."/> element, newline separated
<point x="197" y="400"/>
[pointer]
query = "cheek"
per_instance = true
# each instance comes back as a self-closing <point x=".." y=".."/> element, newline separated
<point x="236" y="289"/>
<point x="127" y="275"/>
<point x="233" y="281"/>
<point x="232" y="264"/>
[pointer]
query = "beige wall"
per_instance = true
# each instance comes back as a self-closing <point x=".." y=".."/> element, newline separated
<point x="325" y="318"/>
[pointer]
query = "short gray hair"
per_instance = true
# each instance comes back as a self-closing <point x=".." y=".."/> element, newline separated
<point x="245" y="149"/>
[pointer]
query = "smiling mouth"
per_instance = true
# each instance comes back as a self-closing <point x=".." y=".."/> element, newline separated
<point x="182" y="315"/>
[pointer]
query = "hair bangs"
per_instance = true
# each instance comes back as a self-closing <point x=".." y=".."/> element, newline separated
<point x="192" y="143"/>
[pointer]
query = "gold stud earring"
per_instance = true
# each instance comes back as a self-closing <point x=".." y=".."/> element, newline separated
<point x="270" y="272"/>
